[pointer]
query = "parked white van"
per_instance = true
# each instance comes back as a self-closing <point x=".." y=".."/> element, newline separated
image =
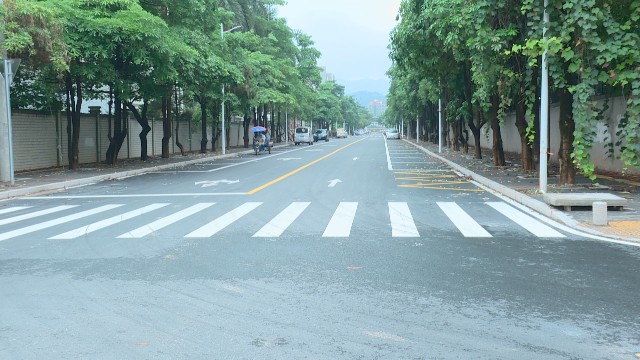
<point x="303" y="135"/>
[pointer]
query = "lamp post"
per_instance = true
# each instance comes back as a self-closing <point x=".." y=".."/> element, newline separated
<point x="544" y="107"/>
<point x="224" y="135"/>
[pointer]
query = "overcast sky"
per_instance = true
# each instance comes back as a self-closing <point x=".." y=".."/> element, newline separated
<point x="351" y="34"/>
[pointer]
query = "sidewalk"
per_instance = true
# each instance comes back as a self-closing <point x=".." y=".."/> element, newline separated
<point x="509" y="181"/>
<point x="523" y="186"/>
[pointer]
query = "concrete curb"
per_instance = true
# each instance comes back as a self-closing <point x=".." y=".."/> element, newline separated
<point x="116" y="175"/>
<point x="533" y="204"/>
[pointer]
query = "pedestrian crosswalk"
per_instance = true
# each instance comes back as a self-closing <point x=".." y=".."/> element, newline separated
<point x="397" y="219"/>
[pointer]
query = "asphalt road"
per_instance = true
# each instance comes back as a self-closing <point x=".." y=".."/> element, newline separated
<point x="349" y="249"/>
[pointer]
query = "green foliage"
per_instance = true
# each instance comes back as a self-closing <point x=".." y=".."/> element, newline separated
<point x="590" y="45"/>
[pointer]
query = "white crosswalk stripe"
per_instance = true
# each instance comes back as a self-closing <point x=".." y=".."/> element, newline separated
<point x="223" y="221"/>
<point x="54" y="222"/>
<point x="282" y="221"/>
<point x="13" y="209"/>
<point x="342" y="220"/>
<point x="164" y="222"/>
<point x="402" y="224"/>
<point x="463" y="221"/>
<point x="36" y="214"/>
<point x="530" y="224"/>
<point x="106" y="222"/>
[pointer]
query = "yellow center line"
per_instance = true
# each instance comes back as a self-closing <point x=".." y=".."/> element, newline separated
<point x="260" y="188"/>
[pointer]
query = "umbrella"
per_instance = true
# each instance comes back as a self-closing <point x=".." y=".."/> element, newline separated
<point x="258" y="129"/>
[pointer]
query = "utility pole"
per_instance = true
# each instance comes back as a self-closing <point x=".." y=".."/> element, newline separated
<point x="544" y="106"/>
<point x="224" y="130"/>
<point x="6" y="146"/>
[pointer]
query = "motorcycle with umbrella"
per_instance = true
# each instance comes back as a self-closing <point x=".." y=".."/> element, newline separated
<point x="261" y="142"/>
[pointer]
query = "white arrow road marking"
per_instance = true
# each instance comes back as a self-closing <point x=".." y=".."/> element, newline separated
<point x="355" y="158"/>
<point x="334" y="182"/>
<point x="289" y="159"/>
<point x="209" y="183"/>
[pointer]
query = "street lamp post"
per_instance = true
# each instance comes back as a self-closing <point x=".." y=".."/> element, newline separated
<point x="224" y="134"/>
<point x="544" y="107"/>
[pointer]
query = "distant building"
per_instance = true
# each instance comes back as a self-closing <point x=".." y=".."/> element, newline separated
<point x="325" y="75"/>
<point x="377" y="108"/>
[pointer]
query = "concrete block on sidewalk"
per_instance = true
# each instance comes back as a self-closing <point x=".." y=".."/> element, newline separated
<point x="600" y="213"/>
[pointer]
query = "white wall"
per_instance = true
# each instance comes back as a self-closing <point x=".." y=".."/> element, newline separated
<point x="40" y="140"/>
<point x="599" y="156"/>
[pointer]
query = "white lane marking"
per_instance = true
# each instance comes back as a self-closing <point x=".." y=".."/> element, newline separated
<point x="238" y="164"/>
<point x="386" y="148"/>
<point x="402" y="224"/>
<point x="106" y="222"/>
<point x="342" y="220"/>
<point x="134" y="196"/>
<point x="54" y="222"/>
<point x="223" y="221"/>
<point x="529" y="223"/>
<point x="209" y="183"/>
<point x="12" y="209"/>
<point x="465" y="223"/>
<point x="36" y="214"/>
<point x="334" y="182"/>
<point x="283" y="220"/>
<point x="165" y="221"/>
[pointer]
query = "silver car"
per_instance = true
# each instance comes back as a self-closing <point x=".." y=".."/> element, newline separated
<point x="392" y="134"/>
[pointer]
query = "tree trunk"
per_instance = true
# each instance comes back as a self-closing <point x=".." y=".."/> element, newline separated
<point x="536" y="120"/>
<point x="119" y="132"/>
<point x="215" y="125"/>
<point x="498" y="150"/>
<point x="74" y="106"/>
<point x="246" y="122"/>
<point x="166" y="126"/>
<point x="521" y="124"/>
<point x="464" y="137"/>
<point x="203" y="118"/>
<point x="567" y="127"/>
<point x="177" y="116"/>
<point x="475" y="125"/>
<point x="144" y="123"/>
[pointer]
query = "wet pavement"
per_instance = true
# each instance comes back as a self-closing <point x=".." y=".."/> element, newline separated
<point x="623" y="224"/>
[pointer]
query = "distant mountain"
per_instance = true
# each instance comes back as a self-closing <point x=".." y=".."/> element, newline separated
<point x="365" y="97"/>
<point x="365" y="85"/>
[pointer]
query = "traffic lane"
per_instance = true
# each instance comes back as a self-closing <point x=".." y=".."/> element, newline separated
<point x="231" y="176"/>
<point x="494" y="298"/>
<point x="299" y="181"/>
<point x="356" y="173"/>
<point x="418" y="175"/>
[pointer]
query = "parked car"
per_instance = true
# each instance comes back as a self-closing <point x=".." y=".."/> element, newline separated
<point x="321" y="134"/>
<point x="392" y="134"/>
<point x="302" y="135"/>
<point x="341" y="133"/>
